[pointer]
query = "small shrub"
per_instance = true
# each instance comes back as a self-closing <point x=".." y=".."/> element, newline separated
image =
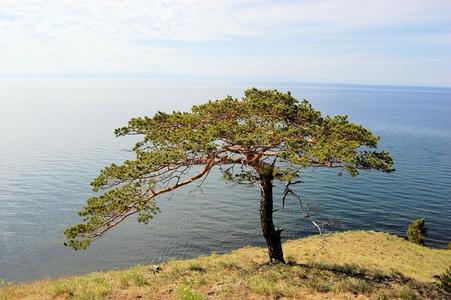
<point x="445" y="279"/>
<point x="449" y="246"/>
<point x="417" y="231"/>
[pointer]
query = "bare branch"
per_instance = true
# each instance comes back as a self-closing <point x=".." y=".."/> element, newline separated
<point x="307" y="210"/>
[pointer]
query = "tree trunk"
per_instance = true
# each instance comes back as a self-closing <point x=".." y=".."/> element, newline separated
<point x="271" y="234"/>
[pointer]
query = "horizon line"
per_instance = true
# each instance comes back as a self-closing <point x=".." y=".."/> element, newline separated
<point x="179" y="79"/>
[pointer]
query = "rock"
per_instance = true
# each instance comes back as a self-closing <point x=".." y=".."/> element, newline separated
<point x="156" y="269"/>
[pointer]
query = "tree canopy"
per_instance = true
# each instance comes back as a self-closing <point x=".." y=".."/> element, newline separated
<point x="243" y="138"/>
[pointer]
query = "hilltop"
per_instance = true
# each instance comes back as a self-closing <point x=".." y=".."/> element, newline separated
<point x="353" y="264"/>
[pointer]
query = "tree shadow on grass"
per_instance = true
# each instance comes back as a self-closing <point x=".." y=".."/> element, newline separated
<point x="357" y="279"/>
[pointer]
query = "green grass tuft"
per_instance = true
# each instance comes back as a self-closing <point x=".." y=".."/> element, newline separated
<point x="407" y="293"/>
<point x="185" y="292"/>
<point x="319" y="285"/>
<point x="64" y="288"/>
<point x="132" y="277"/>
<point x="355" y="286"/>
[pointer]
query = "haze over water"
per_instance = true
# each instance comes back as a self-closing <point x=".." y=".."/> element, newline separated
<point x="55" y="136"/>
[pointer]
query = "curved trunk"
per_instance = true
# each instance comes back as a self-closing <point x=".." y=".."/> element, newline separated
<point x="271" y="234"/>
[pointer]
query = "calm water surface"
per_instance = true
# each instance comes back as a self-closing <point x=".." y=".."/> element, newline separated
<point x="56" y="135"/>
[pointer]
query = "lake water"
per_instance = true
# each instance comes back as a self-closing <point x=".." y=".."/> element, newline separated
<point x="56" y="135"/>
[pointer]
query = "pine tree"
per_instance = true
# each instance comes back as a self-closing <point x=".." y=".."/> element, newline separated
<point x="262" y="137"/>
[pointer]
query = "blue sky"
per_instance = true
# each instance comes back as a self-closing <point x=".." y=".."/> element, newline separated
<point x="351" y="41"/>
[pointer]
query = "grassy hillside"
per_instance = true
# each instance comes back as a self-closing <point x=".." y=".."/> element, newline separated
<point x="354" y="264"/>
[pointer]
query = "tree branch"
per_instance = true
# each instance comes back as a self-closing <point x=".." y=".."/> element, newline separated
<point x="102" y="229"/>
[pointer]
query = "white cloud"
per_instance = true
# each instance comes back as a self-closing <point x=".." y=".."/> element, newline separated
<point x="91" y="38"/>
<point x="207" y="20"/>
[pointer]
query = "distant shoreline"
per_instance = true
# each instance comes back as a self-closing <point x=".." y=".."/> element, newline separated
<point x="244" y="83"/>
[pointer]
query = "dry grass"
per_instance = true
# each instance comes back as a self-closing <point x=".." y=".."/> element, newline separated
<point x="355" y="264"/>
<point x="373" y="250"/>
